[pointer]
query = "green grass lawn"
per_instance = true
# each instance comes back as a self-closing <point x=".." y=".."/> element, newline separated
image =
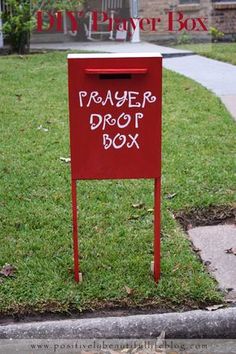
<point x="115" y="238"/>
<point x="220" y="51"/>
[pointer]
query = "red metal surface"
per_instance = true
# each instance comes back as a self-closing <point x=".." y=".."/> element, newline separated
<point x="115" y="127"/>
<point x="89" y="158"/>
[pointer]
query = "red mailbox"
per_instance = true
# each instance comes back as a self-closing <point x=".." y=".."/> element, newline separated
<point x="115" y="103"/>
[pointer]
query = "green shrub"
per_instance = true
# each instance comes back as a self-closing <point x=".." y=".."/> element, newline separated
<point x="17" y="23"/>
<point x="19" y="19"/>
<point x="184" y="38"/>
<point x="216" y="34"/>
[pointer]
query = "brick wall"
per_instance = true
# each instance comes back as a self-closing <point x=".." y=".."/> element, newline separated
<point x="157" y="9"/>
<point x="224" y="17"/>
<point x="220" y="15"/>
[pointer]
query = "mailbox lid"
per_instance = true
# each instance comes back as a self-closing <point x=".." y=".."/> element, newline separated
<point x="115" y="115"/>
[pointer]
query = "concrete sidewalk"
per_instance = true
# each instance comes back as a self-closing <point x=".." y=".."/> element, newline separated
<point x="215" y="75"/>
<point x="113" y="47"/>
<point x="214" y="245"/>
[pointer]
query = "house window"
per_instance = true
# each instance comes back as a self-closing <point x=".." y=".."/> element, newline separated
<point x="111" y="4"/>
<point x="184" y="2"/>
<point x="224" y="4"/>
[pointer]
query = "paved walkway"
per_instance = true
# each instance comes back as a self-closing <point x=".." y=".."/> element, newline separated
<point x="216" y="246"/>
<point x="217" y="76"/>
<point x="113" y="47"/>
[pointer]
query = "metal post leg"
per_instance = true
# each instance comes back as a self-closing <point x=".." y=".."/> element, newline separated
<point x="157" y="229"/>
<point x="75" y="231"/>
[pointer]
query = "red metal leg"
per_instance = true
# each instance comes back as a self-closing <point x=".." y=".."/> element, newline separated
<point x="157" y="229"/>
<point x="75" y="231"/>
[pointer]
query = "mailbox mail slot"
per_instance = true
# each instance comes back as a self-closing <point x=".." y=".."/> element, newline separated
<point x="115" y="103"/>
